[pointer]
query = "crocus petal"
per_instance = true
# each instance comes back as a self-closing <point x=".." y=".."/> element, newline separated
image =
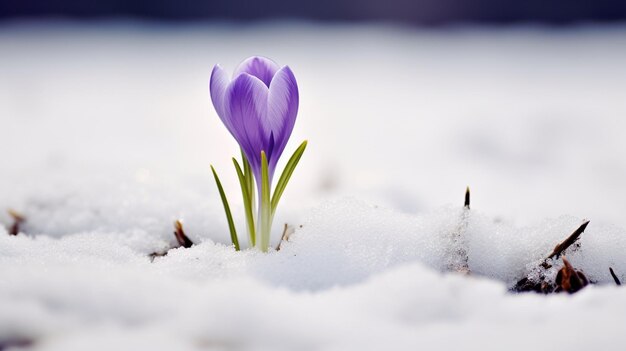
<point x="245" y="106"/>
<point x="260" y="67"/>
<point x="217" y="86"/>
<point x="282" y="108"/>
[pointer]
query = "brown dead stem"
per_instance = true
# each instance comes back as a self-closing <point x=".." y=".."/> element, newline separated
<point x="18" y="219"/>
<point x="287" y="231"/>
<point x="181" y="237"/>
<point x="558" y="249"/>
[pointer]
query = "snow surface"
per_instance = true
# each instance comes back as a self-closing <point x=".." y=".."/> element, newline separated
<point x="108" y="133"/>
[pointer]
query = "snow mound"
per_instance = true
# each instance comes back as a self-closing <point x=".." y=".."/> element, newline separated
<point x="346" y="241"/>
<point x="351" y="267"/>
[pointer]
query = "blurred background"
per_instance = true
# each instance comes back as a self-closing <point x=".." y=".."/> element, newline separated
<point x="419" y="12"/>
<point x="104" y="106"/>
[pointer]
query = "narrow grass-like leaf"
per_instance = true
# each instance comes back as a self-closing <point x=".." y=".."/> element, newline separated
<point x="247" y="204"/>
<point x="286" y="175"/>
<point x="229" y="217"/>
<point x="247" y="172"/>
<point x="265" y="205"/>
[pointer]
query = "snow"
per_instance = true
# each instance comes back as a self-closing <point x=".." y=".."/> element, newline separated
<point x="92" y="292"/>
<point x="108" y="141"/>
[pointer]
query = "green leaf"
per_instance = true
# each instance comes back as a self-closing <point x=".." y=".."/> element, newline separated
<point x="247" y="203"/>
<point x="266" y="211"/>
<point x="286" y="175"/>
<point x="229" y="217"/>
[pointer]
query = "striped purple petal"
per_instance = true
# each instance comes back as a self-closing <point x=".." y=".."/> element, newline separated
<point x="282" y="109"/>
<point x="217" y="87"/>
<point x="260" y="67"/>
<point x="245" y="107"/>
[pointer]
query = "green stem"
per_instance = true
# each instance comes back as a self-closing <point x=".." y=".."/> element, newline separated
<point x="265" y="209"/>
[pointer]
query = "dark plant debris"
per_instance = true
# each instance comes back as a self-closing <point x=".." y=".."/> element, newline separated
<point x="181" y="239"/>
<point x="157" y="254"/>
<point x="529" y="285"/>
<point x="467" y="198"/>
<point x="568" y="279"/>
<point x="615" y="278"/>
<point x="15" y="343"/>
<point x="18" y="219"/>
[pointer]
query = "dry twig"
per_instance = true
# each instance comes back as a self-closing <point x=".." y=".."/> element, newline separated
<point x="558" y="250"/>
<point x="615" y="278"/>
<point x="287" y="231"/>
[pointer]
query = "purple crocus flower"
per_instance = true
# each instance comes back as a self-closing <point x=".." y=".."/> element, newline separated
<point x="258" y="106"/>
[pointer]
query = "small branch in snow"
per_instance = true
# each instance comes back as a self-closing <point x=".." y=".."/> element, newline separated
<point x="179" y="233"/>
<point x="615" y="278"/>
<point x="558" y="250"/>
<point x="467" y="198"/>
<point x="287" y="231"/>
<point x="18" y="219"/>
